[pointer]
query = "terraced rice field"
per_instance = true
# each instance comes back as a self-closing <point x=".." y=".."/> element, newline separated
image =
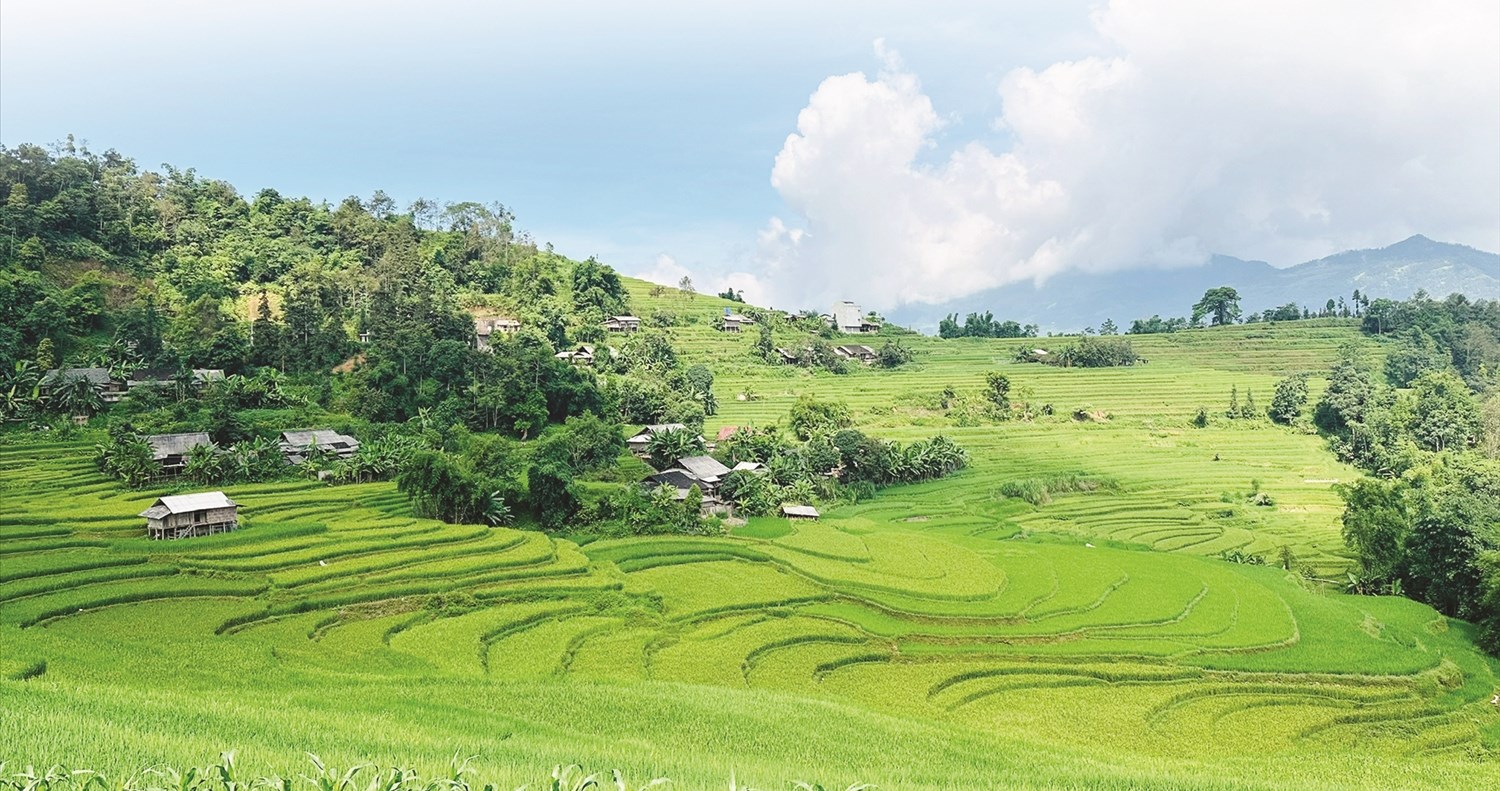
<point x="939" y="636"/>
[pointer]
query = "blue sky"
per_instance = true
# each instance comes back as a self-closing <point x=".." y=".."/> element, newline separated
<point x="647" y="133"/>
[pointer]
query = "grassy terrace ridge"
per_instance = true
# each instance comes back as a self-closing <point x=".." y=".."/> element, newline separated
<point x="941" y="636"/>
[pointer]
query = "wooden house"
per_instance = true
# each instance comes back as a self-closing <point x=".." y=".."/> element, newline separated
<point x="622" y="324"/>
<point x="487" y="327"/>
<point x="580" y="356"/>
<point x="639" y="443"/>
<point x="167" y="377"/>
<point x="298" y="445"/>
<point x="170" y="451"/>
<point x="189" y="515"/>
<point x="682" y="482"/>
<point x="799" y="512"/>
<point x="110" y="389"/>
<point x="856" y="351"/>
<point x="733" y="322"/>
<point x="707" y="469"/>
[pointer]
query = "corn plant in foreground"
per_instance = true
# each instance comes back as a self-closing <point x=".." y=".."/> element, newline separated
<point x="225" y="776"/>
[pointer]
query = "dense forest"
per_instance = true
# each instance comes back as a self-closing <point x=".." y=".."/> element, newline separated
<point x="361" y="316"/>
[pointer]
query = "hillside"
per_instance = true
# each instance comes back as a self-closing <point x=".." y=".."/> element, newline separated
<point x="957" y="634"/>
<point x="1073" y="300"/>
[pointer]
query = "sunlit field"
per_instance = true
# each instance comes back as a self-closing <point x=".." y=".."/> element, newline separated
<point x="946" y="635"/>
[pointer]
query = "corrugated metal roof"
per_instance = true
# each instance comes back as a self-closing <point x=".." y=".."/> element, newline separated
<point x="188" y="503"/>
<point x="706" y="468"/>
<point x="799" y="510"/>
<point x="164" y="445"/>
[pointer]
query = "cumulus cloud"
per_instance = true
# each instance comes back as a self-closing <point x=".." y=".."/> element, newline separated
<point x="668" y="272"/>
<point x="1273" y="129"/>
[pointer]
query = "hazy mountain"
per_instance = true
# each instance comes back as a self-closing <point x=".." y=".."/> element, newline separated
<point x="1074" y="300"/>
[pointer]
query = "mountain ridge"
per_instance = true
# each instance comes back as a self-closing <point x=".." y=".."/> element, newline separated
<point x="1074" y="300"/>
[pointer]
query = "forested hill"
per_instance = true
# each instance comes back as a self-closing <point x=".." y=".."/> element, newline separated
<point x="104" y="262"/>
<point x="1072" y="301"/>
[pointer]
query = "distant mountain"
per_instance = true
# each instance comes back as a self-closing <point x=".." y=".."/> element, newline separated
<point x="1076" y="300"/>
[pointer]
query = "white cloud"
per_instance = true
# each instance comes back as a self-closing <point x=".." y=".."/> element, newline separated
<point x="1272" y="129"/>
<point x="668" y="272"/>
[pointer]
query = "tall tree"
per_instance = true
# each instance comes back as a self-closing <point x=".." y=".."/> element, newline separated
<point x="1221" y="305"/>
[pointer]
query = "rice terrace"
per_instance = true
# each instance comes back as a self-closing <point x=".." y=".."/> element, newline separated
<point x="987" y="467"/>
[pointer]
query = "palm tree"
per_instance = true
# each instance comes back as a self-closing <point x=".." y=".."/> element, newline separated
<point x="496" y="512"/>
<point x="76" y="395"/>
<point x="20" y="391"/>
<point x="204" y="464"/>
<point x="666" y="447"/>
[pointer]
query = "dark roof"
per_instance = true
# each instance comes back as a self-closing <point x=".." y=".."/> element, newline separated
<point x="164" y="445"/>
<point x="167" y="374"/>
<point x="676" y="478"/>
<point x="98" y="376"/>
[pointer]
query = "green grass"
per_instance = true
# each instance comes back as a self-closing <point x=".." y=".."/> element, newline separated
<point x="1051" y="617"/>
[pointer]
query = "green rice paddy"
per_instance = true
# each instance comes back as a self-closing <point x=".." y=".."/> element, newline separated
<point x="941" y="636"/>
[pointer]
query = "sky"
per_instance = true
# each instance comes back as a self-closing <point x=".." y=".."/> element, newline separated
<point x="804" y="152"/>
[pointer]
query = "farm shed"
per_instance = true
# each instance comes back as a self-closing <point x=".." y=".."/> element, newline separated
<point x="170" y="451"/>
<point x="855" y="351"/>
<point x="109" y="388"/>
<point x="799" y="512"/>
<point x="168" y="377"/>
<point x="189" y="515"/>
<point x="300" y="444"/>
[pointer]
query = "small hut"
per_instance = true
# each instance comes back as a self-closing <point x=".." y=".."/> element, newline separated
<point x="799" y="512"/>
<point x="298" y="445"/>
<point x="856" y="351"/>
<point x="170" y="451"/>
<point x="110" y="389"/>
<point x="639" y="443"/>
<point x="189" y="515"/>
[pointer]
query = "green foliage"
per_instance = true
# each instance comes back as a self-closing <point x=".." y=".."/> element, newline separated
<point x="1290" y="399"/>
<point x="1221" y="305"/>
<point x="810" y="416"/>
<point x="892" y="354"/>
<point x="1090" y="352"/>
<point x="985" y="325"/>
<point x="1445" y="414"/>
<point x="666" y="447"/>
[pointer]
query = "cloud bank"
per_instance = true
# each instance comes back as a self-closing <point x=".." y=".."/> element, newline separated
<point x="1271" y="129"/>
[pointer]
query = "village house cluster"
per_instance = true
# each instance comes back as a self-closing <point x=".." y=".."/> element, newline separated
<point x="701" y="470"/>
<point x="206" y="513"/>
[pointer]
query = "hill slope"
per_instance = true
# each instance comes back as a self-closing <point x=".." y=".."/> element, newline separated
<point x="1072" y="301"/>
<point x="941" y="636"/>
